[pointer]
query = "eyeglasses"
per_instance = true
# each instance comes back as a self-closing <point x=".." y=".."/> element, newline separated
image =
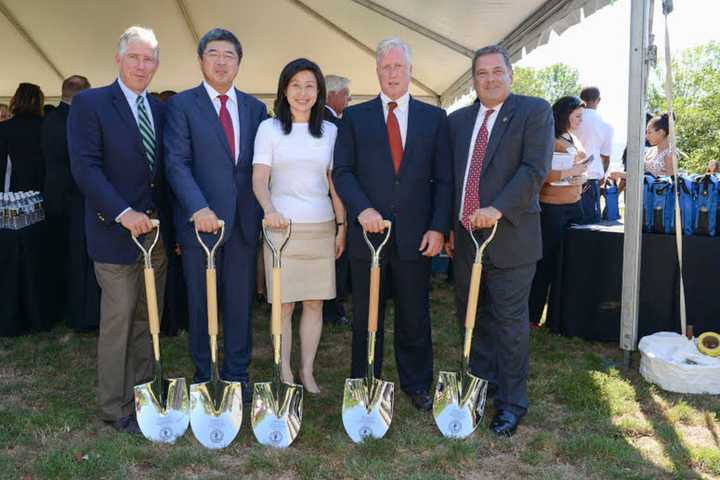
<point x="214" y="55"/>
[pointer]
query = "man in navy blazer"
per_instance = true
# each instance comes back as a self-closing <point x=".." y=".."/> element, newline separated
<point x="392" y="162"/>
<point x="115" y="145"/>
<point x="209" y="140"/>
<point x="501" y="148"/>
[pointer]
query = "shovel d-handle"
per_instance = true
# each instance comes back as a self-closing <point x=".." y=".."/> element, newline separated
<point x="474" y="293"/>
<point x="375" y="251"/>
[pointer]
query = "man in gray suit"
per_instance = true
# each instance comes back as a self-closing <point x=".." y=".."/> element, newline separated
<point x="502" y="149"/>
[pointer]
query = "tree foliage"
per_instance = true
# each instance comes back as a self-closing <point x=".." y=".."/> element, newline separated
<point x="696" y="103"/>
<point x="550" y="83"/>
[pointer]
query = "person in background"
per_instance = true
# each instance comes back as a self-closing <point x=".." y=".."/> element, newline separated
<point x="116" y="158"/>
<point x="713" y="167"/>
<point x="658" y="159"/>
<point x="291" y="180"/>
<point x="76" y="291"/>
<point x="4" y="112"/>
<point x="596" y="136"/>
<point x="338" y="97"/>
<point x="20" y="140"/>
<point x="559" y="202"/>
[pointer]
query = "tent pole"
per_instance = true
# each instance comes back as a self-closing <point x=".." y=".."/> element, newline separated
<point x="639" y="42"/>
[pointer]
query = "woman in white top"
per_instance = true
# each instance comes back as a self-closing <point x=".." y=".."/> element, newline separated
<point x="292" y="181"/>
<point x="658" y="160"/>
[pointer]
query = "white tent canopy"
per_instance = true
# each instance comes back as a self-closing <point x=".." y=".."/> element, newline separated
<point x="46" y="40"/>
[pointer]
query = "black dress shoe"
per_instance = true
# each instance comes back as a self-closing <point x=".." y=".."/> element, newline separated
<point x="504" y="423"/>
<point x="246" y="393"/>
<point x="127" y="425"/>
<point x="421" y="400"/>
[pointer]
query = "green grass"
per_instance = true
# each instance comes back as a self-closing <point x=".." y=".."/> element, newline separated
<point x="589" y="418"/>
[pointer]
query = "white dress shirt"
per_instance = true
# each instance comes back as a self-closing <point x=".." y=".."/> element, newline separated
<point x="232" y="106"/>
<point x="131" y="98"/>
<point x="596" y="136"/>
<point x="401" y="112"/>
<point x="473" y="138"/>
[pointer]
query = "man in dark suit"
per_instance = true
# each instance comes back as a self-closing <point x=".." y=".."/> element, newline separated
<point x="209" y="140"/>
<point x="392" y="162"/>
<point x="501" y="148"/>
<point x="76" y="292"/>
<point x="338" y="98"/>
<point x="115" y="143"/>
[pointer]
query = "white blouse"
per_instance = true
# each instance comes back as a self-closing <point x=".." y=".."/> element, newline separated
<point x="299" y="163"/>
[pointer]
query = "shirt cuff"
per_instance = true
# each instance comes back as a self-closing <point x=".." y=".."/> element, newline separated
<point x="117" y="219"/>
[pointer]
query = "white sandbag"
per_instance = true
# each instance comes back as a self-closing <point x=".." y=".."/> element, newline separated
<point x="674" y="363"/>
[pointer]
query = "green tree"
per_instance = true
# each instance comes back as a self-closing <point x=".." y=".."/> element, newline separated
<point x="696" y="102"/>
<point x="550" y="83"/>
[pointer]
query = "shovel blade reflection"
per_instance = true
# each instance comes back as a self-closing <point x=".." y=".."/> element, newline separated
<point x="276" y="421"/>
<point x="216" y="427"/>
<point x="163" y="423"/>
<point x="367" y="412"/>
<point x="458" y="412"/>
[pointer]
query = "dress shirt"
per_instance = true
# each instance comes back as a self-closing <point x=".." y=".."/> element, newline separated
<point x="476" y="129"/>
<point x="401" y="112"/>
<point x="334" y="113"/>
<point x="596" y="136"/>
<point x="131" y="98"/>
<point x="232" y="106"/>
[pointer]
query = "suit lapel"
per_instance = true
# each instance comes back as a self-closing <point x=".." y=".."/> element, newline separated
<point x="123" y="109"/>
<point x="465" y="138"/>
<point x="380" y="128"/>
<point x="243" y="122"/>
<point x="503" y="119"/>
<point x="208" y="111"/>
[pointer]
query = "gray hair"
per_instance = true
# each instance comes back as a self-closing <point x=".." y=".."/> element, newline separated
<point x="491" y="50"/>
<point x="388" y="44"/>
<point x="336" y="83"/>
<point x="220" y="35"/>
<point x="137" y="33"/>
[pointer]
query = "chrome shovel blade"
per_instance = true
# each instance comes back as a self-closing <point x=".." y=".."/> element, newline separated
<point x="367" y="412"/>
<point x="274" y="423"/>
<point x="163" y="424"/>
<point x="457" y="413"/>
<point x="216" y="427"/>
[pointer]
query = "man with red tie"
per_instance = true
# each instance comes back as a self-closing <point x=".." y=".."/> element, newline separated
<point x="209" y="141"/>
<point x="392" y="162"/>
<point x="501" y="152"/>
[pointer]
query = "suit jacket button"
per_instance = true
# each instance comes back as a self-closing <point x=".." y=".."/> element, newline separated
<point x="148" y="212"/>
<point x="397" y="182"/>
<point x="152" y="185"/>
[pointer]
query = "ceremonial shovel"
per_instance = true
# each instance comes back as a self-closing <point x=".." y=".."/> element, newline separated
<point x="216" y="407"/>
<point x="368" y="402"/>
<point x="161" y="405"/>
<point x="277" y="406"/>
<point x="460" y="402"/>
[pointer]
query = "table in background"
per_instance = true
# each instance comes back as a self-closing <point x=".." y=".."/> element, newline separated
<point x="587" y="304"/>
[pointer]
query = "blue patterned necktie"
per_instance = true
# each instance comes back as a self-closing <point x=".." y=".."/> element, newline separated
<point x="146" y="132"/>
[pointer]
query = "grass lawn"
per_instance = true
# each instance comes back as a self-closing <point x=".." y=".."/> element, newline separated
<point x="589" y="418"/>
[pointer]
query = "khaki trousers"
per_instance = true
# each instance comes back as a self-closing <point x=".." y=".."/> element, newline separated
<point x="125" y="356"/>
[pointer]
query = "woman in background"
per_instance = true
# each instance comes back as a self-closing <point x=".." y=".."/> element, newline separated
<point x="658" y="160"/>
<point x="559" y="202"/>
<point x="291" y="180"/>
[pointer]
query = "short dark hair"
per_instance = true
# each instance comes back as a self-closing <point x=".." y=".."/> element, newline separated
<point x="219" y="35"/>
<point x="661" y="122"/>
<point x="491" y="50"/>
<point x="73" y="85"/>
<point x="562" y="109"/>
<point x="282" y="107"/>
<point x="28" y="98"/>
<point x="590" y="94"/>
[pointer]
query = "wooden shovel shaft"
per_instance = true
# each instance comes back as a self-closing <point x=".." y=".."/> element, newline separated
<point x="152" y="307"/>
<point x="374" y="304"/>
<point x="211" y="281"/>
<point x="276" y="315"/>
<point x="472" y="304"/>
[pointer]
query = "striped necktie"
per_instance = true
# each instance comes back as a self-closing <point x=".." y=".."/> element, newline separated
<point x="146" y="132"/>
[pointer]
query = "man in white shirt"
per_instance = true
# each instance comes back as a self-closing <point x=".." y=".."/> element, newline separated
<point x="596" y="135"/>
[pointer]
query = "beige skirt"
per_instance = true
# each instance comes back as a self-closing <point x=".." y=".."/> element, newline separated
<point x="308" y="263"/>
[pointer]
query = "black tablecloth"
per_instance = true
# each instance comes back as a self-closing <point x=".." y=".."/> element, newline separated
<point x="22" y="283"/>
<point x="587" y="304"/>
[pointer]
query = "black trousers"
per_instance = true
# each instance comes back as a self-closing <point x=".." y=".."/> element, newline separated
<point x="409" y="282"/>
<point x="590" y="201"/>
<point x="554" y="220"/>
<point x="500" y="342"/>
<point x="333" y="308"/>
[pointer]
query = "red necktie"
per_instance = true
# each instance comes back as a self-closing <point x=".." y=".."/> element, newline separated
<point x="471" y="201"/>
<point x="394" y="138"/>
<point x="227" y="125"/>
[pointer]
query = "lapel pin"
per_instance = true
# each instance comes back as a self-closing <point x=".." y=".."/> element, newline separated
<point x="504" y="119"/>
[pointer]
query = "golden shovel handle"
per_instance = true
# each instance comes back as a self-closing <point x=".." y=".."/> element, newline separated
<point x="374" y="305"/>
<point x="152" y="307"/>
<point x="211" y="281"/>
